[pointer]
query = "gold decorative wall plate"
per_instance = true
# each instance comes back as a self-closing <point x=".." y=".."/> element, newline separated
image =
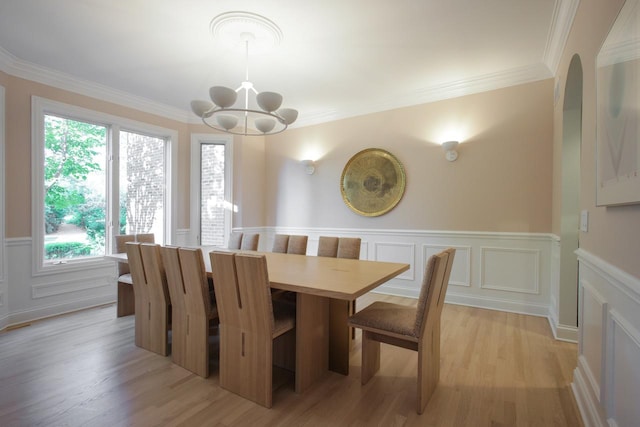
<point x="372" y="182"/>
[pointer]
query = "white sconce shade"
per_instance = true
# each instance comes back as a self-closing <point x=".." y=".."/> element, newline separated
<point x="309" y="166"/>
<point x="450" y="150"/>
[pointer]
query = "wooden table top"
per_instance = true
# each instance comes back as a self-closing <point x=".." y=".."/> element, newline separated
<point x="337" y="278"/>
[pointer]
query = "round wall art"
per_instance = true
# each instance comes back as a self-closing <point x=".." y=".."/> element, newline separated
<point x="372" y="182"/>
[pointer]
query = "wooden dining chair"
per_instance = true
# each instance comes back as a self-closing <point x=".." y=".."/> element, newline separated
<point x="175" y="285"/>
<point x="235" y="240"/>
<point x="297" y="245"/>
<point x="248" y="325"/>
<point x="159" y="302"/>
<point x="416" y="328"/>
<point x="139" y="283"/>
<point x="328" y="246"/>
<point x="250" y="242"/>
<point x="280" y="243"/>
<point x="197" y="315"/>
<point x="125" y="297"/>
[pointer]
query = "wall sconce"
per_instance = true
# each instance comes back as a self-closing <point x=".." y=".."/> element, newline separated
<point x="309" y="166"/>
<point x="450" y="150"/>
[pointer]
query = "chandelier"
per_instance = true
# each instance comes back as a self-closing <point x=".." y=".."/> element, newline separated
<point x="223" y="114"/>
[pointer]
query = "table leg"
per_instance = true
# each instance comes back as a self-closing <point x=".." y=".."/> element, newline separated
<point x="312" y="339"/>
<point x="339" y="336"/>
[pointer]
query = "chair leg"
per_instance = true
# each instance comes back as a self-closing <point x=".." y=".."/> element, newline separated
<point x="370" y="357"/>
<point x="126" y="304"/>
<point x="428" y="366"/>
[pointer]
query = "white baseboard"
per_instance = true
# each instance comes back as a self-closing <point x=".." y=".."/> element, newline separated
<point x="33" y="314"/>
<point x="590" y="414"/>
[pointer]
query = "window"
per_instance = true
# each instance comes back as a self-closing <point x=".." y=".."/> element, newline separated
<point x="94" y="176"/>
<point x="211" y="172"/>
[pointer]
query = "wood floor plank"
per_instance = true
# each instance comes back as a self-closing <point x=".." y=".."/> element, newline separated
<point x="83" y="369"/>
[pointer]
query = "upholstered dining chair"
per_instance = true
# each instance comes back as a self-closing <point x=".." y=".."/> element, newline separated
<point x="280" y="243"/>
<point x="349" y="247"/>
<point x="158" y="307"/>
<point x="328" y="246"/>
<point x="249" y="324"/>
<point x="250" y="242"/>
<point x="416" y="329"/>
<point x="297" y="245"/>
<point x="126" y="298"/>
<point x="194" y="315"/>
<point x="235" y="240"/>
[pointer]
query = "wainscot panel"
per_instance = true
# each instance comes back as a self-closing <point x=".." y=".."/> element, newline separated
<point x="31" y="297"/>
<point x="607" y="379"/>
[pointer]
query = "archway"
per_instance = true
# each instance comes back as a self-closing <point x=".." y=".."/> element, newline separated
<point x="570" y="211"/>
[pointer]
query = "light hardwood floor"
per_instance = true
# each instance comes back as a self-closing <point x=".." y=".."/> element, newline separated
<point x="497" y="369"/>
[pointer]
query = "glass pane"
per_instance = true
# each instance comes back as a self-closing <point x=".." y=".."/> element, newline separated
<point x="212" y="203"/>
<point x="142" y="184"/>
<point x="74" y="189"/>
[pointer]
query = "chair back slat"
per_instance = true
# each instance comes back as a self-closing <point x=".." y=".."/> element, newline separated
<point x="255" y="293"/>
<point x="235" y="240"/>
<point x="158" y="301"/>
<point x="280" y="243"/>
<point x="194" y="276"/>
<point x="349" y="247"/>
<point x="297" y="245"/>
<point x="154" y="272"/>
<point x="121" y="241"/>
<point x="141" y="293"/>
<point x="145" y="238"/>
<point x="433" y="290"/>
<point x="328" y="246"/>
<point x="226" y="288"/>
<point x="250" y="242"/>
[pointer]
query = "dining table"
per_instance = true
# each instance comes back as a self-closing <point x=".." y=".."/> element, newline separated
<point x="324" y="288"/>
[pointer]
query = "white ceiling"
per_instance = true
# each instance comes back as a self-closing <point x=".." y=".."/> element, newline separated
<point x="337" y="58"/>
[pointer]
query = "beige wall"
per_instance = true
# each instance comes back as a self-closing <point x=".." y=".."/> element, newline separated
<point x="614" y="232"/>
<point x="500" y="182"/>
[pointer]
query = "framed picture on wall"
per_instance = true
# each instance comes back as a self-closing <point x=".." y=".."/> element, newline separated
<point x="618" y="111"/>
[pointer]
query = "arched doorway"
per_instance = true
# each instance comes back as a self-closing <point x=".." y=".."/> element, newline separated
<point x="570" y="211"/>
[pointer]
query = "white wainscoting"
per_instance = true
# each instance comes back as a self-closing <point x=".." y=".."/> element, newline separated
<point x="607" y="378"/>
<point x="500" y="271"/>
<point x="32" y="297"/>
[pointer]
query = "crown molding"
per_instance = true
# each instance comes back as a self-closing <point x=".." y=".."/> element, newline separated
<point x="17" y="67"/>
<point x="563" y="14"/>
<point x="478" y="84"/>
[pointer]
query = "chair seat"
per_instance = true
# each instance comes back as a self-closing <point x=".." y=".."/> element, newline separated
<point x="387" y="317"/>
<point x="125" y="278"/>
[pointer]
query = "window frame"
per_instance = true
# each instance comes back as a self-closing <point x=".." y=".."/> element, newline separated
<point x="198" y="139"/>
<point x="114" y="124"/>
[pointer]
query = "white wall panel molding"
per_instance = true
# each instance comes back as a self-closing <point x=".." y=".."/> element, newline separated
<point x="531" y="275"/>
<point x="510" y="269"/>
<point x="623" y="372"/>
<point x="461" y="269"/>
<point x="397" y="252"/>
<point x="30" y="297"/>
<point x="607" y="379"/>
<point x="624" y="282"/>
<point x="70" y="286"/>
<point x="592" y="319"/>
